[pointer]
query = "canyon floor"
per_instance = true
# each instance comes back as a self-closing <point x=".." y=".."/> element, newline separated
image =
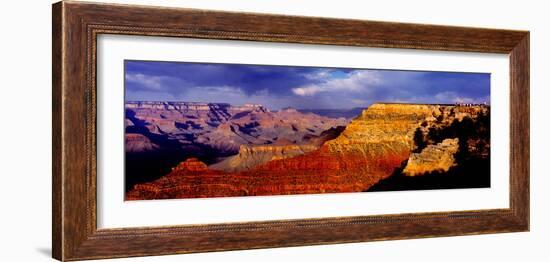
<point x="191" y="150"/>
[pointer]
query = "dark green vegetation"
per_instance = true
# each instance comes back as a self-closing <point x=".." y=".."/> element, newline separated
<point x="472" y="169"/>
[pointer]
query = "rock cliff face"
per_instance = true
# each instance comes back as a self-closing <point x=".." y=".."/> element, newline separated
<point x="439" y="157"/>
<point x="451" y="150"/>
<point x="369" y="150"/>
<point x="382" y="130"/>
<point x="251" y="156"/>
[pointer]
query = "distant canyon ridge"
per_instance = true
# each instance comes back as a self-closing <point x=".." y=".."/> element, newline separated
<point x="189" y="150"/>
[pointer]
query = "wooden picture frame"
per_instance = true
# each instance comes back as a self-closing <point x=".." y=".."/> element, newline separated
<point x="76" y="26"/>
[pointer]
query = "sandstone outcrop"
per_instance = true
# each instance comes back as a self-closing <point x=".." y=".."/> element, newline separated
<point x="251" y="156"/>
<point x="191" y="165"/>
<point x="439" y="157"/>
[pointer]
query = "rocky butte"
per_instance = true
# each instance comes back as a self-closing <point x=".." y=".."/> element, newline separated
<point x="386" y="141"/>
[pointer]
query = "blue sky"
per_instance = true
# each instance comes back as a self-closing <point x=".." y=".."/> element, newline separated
<point x="300" y="87"/>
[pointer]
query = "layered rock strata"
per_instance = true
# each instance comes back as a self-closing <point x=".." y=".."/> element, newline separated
<point x="223" y="127"/>
<point x="251" y="156"/>
<point x="370" y="149"/>
<point x="433" y="158"/>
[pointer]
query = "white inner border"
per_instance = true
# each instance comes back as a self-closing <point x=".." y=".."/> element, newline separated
<point x="114" y="212"/>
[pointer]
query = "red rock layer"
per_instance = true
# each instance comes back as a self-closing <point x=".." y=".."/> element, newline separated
<point x="369" y="149"/>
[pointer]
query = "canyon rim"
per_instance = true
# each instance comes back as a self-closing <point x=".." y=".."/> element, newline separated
<point x="199" y="130"/>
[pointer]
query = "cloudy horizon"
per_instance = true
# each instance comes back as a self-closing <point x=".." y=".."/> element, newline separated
<point x="279" y="87"/>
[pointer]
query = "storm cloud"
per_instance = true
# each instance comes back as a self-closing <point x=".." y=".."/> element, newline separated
<point x="299" y="87"/>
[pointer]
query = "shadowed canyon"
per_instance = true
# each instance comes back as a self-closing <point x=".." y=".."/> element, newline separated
<point x="191" y="150"/>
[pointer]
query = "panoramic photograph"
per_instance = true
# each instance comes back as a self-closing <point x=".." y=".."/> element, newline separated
<point x="202" y="130"/>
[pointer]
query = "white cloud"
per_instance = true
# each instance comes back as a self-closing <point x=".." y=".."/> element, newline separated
<point x="321" y="74"/>
<point x="355" y="81"/>
<point x="237" y="96"/>
<point x="359" y="101"/>
<point x="227" y="90"/>
<point x="453" y="97"/>
<point x="306" y="90"/>
<point x="441" y="98"/>
<point x="146" y="81"/>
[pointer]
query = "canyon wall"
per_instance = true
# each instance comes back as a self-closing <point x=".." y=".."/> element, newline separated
<point x="369" y="150"/>
<point x="223" y="127"/>
<point x="452" y="150"/>
<point x="251" y="156"/>
<point x="159" y="135"/>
